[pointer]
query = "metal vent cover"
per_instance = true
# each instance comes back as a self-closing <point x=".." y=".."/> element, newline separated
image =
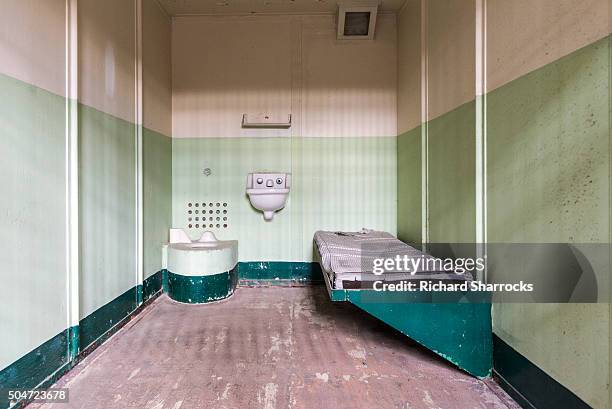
<point x="356" y="21"/>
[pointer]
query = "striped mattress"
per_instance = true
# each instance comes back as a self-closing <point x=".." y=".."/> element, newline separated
<point x="348" y="259"/>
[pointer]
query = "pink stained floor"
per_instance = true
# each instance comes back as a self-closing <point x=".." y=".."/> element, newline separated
<point x="268" y="348"/>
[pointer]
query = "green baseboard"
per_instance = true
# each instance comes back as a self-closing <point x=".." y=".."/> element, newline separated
<point x="152" y="285"/>
<point x="44" y="365"/>
<point x="279" y="272"/>
<point x="527" y="384"/>
<point x="35" y="367"/>
<point x="104" y="318"/>
<point x="96" y="324"/>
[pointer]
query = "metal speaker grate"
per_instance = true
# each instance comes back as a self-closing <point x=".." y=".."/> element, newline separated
<point x="207" y="215"/>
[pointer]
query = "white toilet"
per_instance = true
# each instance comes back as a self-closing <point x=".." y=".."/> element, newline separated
<point x="200" y="271"/>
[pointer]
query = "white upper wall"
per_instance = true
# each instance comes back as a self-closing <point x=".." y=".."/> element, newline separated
<point x="279" y="65"/>
<point x="157" y="68"/>
<point x="234" y="7"/>
<point x="451" y="55"/>
<point x="409" y="67"/>
<point x="524" y="35"/>
<point x="107" y="48"/>
<point x="32" y="42"/>
<point x="348" y="88"/>
<point x="224" y="67"/>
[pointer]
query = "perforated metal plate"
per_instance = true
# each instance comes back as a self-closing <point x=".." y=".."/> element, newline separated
<point x="207" y="214"/>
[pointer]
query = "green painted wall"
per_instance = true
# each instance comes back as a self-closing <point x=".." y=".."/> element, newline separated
<point x="157" y="197"/>
<point x="409" y="186"/>
<point x="451" y="180"/>
<point x="344" y="184"/>
<point x="230" y="159"/>
<point x="548" y="180"/>
<point x="548" y="153"/>
<point x="337" y="184"/>
<point x="108" y="219"/>
<point x="107" y="203"/>
<point x="32" y="216"/>
<point x="452" y="176"/>
<point x="33" y="174"/>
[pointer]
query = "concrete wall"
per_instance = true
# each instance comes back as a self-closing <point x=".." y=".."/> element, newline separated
<point x="443" y="34"/>
<point x="157" y="128"/>
<point x="157" y="68"/>
<point x="33" y="114"/>
<point x="450" y="27"/>
<point x="547" y="155"/>
<point x="33" y="308"/>
<point x="107" y="151"/>
<point x="548" y="170"/>
<point x="108" y="167"/>
<point x="547" y="147"/>
<point x="409" y="114"/>
<point x="340" y="149"/>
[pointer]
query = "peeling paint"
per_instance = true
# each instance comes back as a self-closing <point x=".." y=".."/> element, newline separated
<point x="270" y="396"/>
<point x="428" y="400"/>
<point x="133" y="373"/>
<point x="294" y="376"/>
<point x="155" y="403"/>
<point x="222" y="335"/>
<point x="202" y="289"/>
<point x="176" y="384"/>
<point x="281" y="272"/>
<point x="225" y="393"/>
<point x="358" y="353"/>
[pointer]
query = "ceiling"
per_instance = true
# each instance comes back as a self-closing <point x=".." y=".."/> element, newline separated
<point x="228" y="7"/>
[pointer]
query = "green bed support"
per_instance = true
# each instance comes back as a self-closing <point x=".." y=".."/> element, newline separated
<point x="457" y="329"/>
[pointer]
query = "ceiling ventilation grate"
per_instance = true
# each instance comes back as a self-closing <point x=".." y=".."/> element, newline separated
<point x="356" y="21"/>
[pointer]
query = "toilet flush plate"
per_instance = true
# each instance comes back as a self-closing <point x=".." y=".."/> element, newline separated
<point x="268" y="180"/>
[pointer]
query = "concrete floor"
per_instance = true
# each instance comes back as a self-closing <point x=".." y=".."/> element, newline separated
<point x="268" y="348"/>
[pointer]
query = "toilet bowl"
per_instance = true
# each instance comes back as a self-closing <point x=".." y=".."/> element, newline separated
<point x="200" y="271"/>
